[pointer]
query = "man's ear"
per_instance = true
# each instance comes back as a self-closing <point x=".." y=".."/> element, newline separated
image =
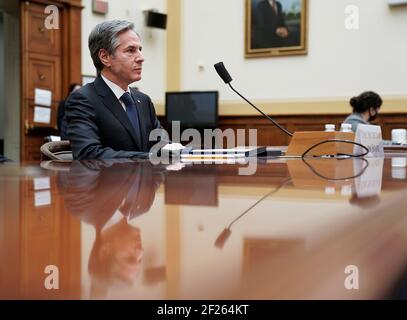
<point x="104" y="57"/>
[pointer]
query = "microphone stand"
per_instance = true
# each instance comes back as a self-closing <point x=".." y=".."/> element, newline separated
<point x="221" y="239"/>
<point x="265" y="115"/>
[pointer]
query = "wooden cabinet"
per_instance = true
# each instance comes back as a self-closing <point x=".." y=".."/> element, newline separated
<point x="49" y="59"/>
<point x="45" y="73"/>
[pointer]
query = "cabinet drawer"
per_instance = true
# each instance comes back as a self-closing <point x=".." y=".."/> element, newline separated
<point x="38" y="38"/>
<point x="44" y="72"/>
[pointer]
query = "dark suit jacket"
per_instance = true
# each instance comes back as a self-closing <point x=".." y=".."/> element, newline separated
<point x="62" y="124"/>
<point x="265" y="24"/>
<point x="60" y="114"/>
<point x="99" y="128"/>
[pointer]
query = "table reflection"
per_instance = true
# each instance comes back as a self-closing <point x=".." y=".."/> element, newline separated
<point x="108" y="196"/>
<point x="138" y="231"/>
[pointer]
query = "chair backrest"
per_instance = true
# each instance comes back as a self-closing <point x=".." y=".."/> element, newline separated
<point x="56" y="150"/>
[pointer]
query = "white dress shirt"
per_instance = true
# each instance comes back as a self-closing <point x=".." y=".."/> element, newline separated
<point x="118" y="92"/>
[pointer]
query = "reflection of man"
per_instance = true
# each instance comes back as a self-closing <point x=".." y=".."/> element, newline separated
<point x="107" y="195"/>
<point x="269" y="28"/>
<point x="116" y="257"/>
<point x="106" y="118"/>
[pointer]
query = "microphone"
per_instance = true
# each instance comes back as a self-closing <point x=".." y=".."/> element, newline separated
<point x="224" y="74"/>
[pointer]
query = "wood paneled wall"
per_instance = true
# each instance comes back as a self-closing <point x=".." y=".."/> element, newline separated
<point x="269" y="135"/>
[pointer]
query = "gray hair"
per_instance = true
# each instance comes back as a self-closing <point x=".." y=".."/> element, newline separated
<point x="105" y="36"/>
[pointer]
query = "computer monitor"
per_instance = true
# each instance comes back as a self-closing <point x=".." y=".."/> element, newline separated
<point x="194" y="109"/>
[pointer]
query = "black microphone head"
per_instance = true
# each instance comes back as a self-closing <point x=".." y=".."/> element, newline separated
<point x="222" y="72"/>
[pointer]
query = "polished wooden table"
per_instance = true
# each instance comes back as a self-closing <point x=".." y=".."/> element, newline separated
<point x="314" y="229"/>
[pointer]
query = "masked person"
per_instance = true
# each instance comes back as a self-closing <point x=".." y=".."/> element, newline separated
<point x="366" y="107"/>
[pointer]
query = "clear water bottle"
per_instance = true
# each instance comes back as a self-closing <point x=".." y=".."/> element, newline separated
<point x="346" y="127"/>
<point x="329" y="128"/>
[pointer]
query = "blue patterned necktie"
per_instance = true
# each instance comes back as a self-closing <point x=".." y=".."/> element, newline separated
<point x="131" y="110"/>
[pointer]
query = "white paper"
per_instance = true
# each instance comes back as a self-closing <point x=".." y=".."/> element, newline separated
<point x="42" y="115"/>
<point x="371" y="137"/>
<point x="42" y="183"/>
<point x="42" y="198"/>
<point x="55" y="138"/>
<point x="43" y="97"/>
<point x="173" y="147"/>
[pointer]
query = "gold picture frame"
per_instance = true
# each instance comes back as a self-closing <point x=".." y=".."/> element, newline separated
<point x="276" y="28"/>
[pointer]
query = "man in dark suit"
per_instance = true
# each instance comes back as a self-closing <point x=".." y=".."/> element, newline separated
<point x="107" y="119"/>
<point x="269" y="28"/>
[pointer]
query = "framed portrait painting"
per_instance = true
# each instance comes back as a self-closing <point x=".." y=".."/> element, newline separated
<point x="275" y="28"/>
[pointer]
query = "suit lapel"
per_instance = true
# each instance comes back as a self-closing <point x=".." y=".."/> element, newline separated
<point x="111" y="102"/>
<point x="141" y="116"/>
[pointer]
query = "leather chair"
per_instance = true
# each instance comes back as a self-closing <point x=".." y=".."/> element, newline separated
<point x="57" y="150"/>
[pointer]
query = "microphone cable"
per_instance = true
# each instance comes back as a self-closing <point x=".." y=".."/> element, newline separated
<point x="225" y="76"/>
<point x="314" y="171"/>
<point x="339" y="154"/>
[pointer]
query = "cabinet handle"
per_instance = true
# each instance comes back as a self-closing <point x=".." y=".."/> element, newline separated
<point x="41" y="76"/>
<point x="41" y="29"/>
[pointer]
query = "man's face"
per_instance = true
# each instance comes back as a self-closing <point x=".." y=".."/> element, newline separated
<point x="126" y="62"/>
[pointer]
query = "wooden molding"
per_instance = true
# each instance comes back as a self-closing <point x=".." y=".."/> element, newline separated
<point x="311" y="106"/>
<point x="174" y="11"/>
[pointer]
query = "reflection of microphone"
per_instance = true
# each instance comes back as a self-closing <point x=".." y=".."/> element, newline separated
<point x="222" y="238"/>
<point x="224" y="74"/>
